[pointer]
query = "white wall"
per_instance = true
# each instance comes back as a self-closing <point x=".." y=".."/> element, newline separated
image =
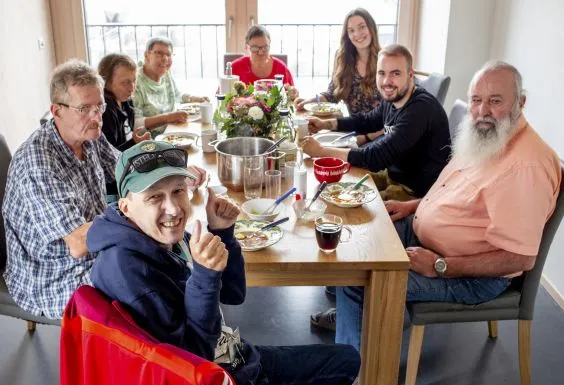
<point x="24" y="67"/>
<point x="432" y="30"/>
<point x="467" y="44"/>
<point x="530" y="35"/>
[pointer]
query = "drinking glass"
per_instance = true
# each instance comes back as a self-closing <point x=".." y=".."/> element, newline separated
<point x="289" y="168"/>
<point x="328" y="230"/>
<point x="252" y="178"/>
<point x="272" y="181"/>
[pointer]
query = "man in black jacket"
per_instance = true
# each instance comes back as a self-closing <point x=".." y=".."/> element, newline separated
<point x="405" y="140"/>
<point x="407" y="133"/>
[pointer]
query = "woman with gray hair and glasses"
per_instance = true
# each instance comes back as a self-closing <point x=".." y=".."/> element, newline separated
<point x="156" y="92"/>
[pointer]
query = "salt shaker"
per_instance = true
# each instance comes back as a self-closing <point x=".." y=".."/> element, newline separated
<point x="300" y="181"/>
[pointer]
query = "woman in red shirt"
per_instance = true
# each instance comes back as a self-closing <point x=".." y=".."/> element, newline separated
<point x="259" y="64"/>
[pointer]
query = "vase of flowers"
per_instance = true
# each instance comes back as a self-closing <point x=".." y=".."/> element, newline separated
<point x="245" y="112"/>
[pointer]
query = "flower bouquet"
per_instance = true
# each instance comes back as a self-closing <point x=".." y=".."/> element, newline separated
<point x="245" y="112"/>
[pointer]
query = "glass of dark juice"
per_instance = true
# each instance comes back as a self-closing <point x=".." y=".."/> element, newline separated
<point x="328" y="229"/>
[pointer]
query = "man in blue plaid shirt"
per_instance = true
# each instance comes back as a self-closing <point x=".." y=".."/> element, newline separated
<point x="55" y="188"/>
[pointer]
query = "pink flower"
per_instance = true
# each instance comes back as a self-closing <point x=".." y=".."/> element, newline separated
<point x="264" y="106"/>
<point x="244" y="101"/>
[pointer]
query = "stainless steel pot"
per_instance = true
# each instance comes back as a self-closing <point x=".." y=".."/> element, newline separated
<point x="231" y="156"/>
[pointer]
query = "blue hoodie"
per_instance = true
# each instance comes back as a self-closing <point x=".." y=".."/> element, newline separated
<point x="177" y="306"/>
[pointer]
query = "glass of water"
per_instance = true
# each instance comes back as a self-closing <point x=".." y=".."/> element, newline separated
<point x="252" y="178"/>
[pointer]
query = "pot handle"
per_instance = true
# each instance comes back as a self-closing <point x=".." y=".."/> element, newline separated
<point x="213" y="143"/>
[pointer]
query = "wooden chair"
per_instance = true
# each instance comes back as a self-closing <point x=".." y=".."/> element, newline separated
<point x="7" y="305"/>
<point x="516" y="303"/>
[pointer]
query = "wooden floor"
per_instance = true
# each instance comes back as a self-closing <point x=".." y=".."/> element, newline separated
<point x="452" y="354"/>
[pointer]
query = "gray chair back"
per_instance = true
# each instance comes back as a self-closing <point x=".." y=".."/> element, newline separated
<point x="232" y="56"/>
<point x="530" y="280"/>
<point x="456" y="116"/>
<point x="5" y="158"/>
<point x="435" y="84"/>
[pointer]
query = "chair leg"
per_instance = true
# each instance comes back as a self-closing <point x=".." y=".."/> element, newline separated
<point x="492" y="329"/>
<point x="414" y="352"/>
<point x="525" y="351"/>
<point x="31" y="326"/>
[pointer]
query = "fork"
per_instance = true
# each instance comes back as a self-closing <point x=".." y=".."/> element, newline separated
<point x="271" y="208"/>
<point x="268" y="226"/>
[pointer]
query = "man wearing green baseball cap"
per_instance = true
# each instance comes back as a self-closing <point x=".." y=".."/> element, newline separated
<point x="172" y="282"/>
<point x="141" y="166"/>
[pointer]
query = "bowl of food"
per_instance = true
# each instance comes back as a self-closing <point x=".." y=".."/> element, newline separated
<point x="323" y="110"/>
<point x="255" y="208"/>
<point x="178" y="139"/>
<point x="317" y="209"/>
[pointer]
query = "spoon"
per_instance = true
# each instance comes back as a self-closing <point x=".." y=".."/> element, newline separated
<point x="265" y="227"/>
<point x="343" y="193"/>
<point x="275" y="145"/>
<point x="342" y="137"/>
<point x="272" y="207"/>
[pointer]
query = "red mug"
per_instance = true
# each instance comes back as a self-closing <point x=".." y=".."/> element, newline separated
<point x="330" y="170"/>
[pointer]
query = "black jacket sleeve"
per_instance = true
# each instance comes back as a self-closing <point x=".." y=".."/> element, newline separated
<point x="409" y="127"/>
<point x="363" y="123"/>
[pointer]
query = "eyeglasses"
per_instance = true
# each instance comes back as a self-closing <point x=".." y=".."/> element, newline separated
<point x="149" y="161"/>
<point x="160" y="54"/>
<point x="86" y="110"/>
<point x="256" y="48"/>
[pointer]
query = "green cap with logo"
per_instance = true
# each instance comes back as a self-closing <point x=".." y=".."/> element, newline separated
<point x="136" y="181"/>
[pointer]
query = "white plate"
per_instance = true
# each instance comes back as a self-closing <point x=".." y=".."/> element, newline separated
<point x="327" y="196"/>
<point x="193" y="110"/>
<point x="323" y="109"/>
<point x="178" y="139"/>
<point x="326" y="138"/>
<point x="274" y="234"/>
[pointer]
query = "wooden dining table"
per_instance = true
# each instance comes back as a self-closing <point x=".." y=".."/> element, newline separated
<point x="374" y="258"/>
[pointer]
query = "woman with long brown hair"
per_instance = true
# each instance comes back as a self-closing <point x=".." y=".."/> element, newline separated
<point x="354" y="71"/>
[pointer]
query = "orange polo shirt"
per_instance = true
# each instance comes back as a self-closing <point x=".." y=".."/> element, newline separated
<point x="501" y="204"/>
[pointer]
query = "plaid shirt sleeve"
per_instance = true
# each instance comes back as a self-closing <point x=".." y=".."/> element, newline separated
<point x="53" y="203"/>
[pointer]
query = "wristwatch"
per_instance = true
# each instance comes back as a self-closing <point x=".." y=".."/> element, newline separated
<point x="367" y="138"/>
<point x="440" y="266"/>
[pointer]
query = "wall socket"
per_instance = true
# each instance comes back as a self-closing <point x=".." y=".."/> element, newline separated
<point x="41" y="43"/>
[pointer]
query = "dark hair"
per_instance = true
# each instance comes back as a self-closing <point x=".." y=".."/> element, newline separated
<point x="110" y="62"/>
<point x="397" y="50"/>
<point x="256" y="31"/>
<point x="345" y="60"/>
<point x="158" y="40"/>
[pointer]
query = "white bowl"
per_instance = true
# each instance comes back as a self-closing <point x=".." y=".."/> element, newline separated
<point x="317" y="209"/>
<point x="255" y="207"/>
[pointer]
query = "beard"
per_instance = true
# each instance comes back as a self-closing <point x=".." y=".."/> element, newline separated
<point x="400" y="94"/>
<point x="483" y="139"/>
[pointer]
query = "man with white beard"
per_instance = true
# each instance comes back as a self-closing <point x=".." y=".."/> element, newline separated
<point x="481" y="223"/>
<point x="55" y="188"/>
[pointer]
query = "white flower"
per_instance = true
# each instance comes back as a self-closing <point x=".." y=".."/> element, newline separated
<point x="256" y="113"/>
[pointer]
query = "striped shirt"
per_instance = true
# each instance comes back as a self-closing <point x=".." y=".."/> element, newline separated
<point x="49" y="194"/>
